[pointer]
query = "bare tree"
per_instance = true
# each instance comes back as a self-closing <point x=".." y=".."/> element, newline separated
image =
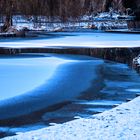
<point x="62" y="9"/>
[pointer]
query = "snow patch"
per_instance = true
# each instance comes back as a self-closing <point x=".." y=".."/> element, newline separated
<point x="122" y="122"/>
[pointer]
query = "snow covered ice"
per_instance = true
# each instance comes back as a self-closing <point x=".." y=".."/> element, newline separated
<point x="89" y="40"/>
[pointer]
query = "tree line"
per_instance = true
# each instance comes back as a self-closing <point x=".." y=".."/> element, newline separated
<point x="62" y="9"/>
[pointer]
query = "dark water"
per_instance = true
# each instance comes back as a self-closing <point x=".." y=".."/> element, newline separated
<point x="114" y="84"/>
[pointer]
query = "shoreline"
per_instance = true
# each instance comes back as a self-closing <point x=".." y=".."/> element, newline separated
<point x="121" y="122"/>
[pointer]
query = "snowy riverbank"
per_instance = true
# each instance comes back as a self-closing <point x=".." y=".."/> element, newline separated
<point x="121" y="123"/>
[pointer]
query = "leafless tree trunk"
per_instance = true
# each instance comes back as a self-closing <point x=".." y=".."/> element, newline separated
<point x="8" y="15"/>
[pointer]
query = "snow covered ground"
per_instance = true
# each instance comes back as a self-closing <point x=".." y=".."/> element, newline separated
<point x="121" y="123"/>
<point x="86" y="21"/>
<point x="73" y="39"/>
<point x="50" y="27"/>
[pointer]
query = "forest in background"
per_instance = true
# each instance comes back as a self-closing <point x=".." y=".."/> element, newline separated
<point x="62" y="9"/>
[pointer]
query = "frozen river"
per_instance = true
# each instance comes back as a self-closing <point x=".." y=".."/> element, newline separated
<point x="47" y="88"/>
<point x="75" y="39"/>
<point x="23" y="74"/>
